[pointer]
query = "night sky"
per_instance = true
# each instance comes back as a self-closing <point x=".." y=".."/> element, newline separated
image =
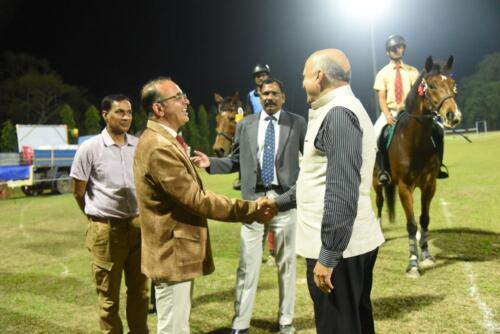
<point x="212" y="45"/>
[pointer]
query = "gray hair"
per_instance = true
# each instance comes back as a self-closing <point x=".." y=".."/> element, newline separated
<point x="332" y="70"/>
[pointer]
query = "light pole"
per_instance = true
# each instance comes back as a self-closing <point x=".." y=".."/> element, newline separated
<point x="374" y="64"/>
<point x="365" y="10"/>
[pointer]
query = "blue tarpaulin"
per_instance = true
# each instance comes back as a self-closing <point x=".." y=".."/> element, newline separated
<point x="12" y="173"/>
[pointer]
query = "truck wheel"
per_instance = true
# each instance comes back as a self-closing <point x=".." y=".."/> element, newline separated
<point x="64" y="184"/>
<point x="30" y="190"/>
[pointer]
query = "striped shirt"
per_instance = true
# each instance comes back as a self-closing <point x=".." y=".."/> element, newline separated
<point x="340" y="139"/>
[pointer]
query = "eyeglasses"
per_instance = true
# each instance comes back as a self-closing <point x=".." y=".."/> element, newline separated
<point x="178" y="97"/>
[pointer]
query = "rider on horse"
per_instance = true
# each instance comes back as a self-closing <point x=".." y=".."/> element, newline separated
<point x="260" y="73"/>
<point x="392" y="83"/>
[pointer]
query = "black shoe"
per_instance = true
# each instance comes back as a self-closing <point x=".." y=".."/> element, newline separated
<point x="443" y="172"/>
<point x="240" y="331"/>
<point x="384" y="178"/>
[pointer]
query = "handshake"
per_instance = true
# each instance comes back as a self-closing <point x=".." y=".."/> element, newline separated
<point x="266" y="209"/>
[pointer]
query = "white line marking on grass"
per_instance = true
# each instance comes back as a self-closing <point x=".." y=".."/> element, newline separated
<point x="65" y="271"/>
<point x="21" y="219"/>
<point x="488" y="319"/>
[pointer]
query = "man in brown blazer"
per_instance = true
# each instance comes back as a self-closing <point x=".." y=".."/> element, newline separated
<point x="174" y="207"/>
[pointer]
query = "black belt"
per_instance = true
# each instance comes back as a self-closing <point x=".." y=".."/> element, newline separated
<point x="260" y="188"/>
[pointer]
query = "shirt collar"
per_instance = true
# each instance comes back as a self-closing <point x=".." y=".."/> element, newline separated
<point x="169" y="130"/>
<point x="343" y="90"/>
<point x="264" y="114"/>
<point x="392" y="63"/>
<point x="108" y="141"/>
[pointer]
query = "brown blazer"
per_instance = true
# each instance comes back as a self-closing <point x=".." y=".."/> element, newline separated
<point x="174" y="209"/>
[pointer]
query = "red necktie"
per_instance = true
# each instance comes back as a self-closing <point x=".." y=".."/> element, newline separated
<point x="399" y="85"/>
<point x="181" y="141"/>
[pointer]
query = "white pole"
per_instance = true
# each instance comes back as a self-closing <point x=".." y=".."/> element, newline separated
<point x="374" y="64"/>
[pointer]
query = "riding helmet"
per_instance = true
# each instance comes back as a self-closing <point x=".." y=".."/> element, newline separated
<point x="394" y="40"/>
<point x="259" y="68"/>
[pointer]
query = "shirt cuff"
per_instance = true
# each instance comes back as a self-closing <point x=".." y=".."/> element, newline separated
<point x="329" y="258"/>
<point x="285" y="202"/>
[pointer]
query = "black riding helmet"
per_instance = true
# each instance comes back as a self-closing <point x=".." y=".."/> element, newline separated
<point x="395" y="40"/>
<point x="259" y="68"/>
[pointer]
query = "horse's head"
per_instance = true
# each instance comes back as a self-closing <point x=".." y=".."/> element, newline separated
<point x="438" y="90"/>
<point x="229" y="108"/>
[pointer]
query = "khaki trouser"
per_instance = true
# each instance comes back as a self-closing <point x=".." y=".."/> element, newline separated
<point x="116" y="247"/>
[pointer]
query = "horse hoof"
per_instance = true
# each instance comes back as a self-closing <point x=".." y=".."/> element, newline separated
<point x="427" y="263"/>
<point x="413" y="272"/>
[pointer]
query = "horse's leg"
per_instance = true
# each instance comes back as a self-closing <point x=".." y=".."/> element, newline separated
<point x="406" y="196"/>
<point x="427" y="195"/>
<point x="379" y="200"/>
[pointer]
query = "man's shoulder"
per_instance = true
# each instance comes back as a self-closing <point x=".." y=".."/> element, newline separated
<point x="293" y="116"/>
<point x="387" y="68"/>
<point x="410" y="68"/>
<point x="248" y="119"/>
<point x="91" y="143"/>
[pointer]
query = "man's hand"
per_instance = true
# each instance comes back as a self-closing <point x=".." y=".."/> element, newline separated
<point x="200" y="159"/>
<point x="266" y="208"/>
<point x="390" y="119"/>
<point x="323" y="277"/>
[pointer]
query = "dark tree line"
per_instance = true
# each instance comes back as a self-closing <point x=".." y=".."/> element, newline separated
<point x="33" y="93"/>
<point x="479" y="94"/>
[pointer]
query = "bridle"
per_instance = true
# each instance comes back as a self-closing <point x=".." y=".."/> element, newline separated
<point x="434" y="110"/>
<point x="223" y="134"/>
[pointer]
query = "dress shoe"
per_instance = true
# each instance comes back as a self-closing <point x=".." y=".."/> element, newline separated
<point x="240" y="331"/>
<point x="287" y="329"/>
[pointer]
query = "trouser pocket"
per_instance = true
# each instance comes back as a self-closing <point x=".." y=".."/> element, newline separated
<point x="101" y="272"/>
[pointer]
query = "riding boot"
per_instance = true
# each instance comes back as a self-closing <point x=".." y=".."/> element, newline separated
<point x="438" y="138"/>
<point x="384" y="178"/>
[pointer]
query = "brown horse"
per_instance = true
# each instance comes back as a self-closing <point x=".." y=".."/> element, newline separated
<point x="229" y="112"/>
<point x="413" y="159"/>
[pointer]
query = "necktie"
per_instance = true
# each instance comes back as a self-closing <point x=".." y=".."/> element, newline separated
<point x="181" y="141"/>
<point x="268" y="155"/>
<point x="398" y="85"/>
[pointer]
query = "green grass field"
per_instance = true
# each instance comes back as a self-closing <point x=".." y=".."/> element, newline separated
<point x="45" y="284"/>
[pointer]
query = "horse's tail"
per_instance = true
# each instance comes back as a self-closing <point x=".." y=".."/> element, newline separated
<point x="390" y="195"/>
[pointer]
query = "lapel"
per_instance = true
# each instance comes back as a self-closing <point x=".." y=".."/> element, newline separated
<point x="253" y="130"/>
<point x="156" y="127"/>
<point x="285" y="124"/>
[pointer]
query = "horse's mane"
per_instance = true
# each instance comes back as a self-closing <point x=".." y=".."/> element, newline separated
<point x="411" y="98"/>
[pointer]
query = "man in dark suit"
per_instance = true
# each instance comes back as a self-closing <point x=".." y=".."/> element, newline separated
<point x="174" y="207"/>
<point x="266" y="151"/>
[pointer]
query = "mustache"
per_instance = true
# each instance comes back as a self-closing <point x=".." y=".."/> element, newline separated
<point x="269" y="103"/>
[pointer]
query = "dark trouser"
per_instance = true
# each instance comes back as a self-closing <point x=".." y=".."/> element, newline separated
<point x="115" y="248"/>
<point x="347" y="309"/>
<point x="382" y="158"/>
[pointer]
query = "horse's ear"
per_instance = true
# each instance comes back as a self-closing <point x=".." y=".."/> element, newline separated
<point x="236" y="97"/>
<point x="428" y="64"/>
<point x="218" y="98"/>
<point x="449" y="63"/>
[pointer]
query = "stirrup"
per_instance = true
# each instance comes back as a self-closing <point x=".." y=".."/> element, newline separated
<point x="443" y="172"/>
